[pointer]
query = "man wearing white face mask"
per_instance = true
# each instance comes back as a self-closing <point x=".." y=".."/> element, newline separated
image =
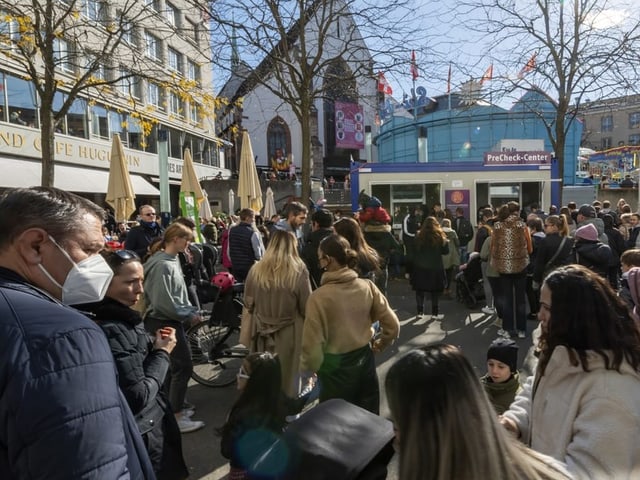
<point x="63" y="414"/>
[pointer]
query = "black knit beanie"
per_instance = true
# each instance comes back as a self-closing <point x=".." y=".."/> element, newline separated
<point x="506" y="351"/>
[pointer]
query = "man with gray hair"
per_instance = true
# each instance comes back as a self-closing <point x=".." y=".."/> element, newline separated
<point x="63" y="415"/>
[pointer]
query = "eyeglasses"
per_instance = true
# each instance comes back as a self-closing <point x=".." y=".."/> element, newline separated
<point x="242" y="374"/>
<point x="149" y="215"/>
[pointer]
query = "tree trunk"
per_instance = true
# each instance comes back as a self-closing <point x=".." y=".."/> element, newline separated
<point x="560" y="146"/>
<point x="306" y="155"/>
<point x="48" y="142"/>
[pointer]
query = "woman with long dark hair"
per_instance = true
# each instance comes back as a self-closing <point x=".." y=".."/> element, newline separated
<point x="336" y="341"/>
<point x="446" y="428"/>
<point x="582" y="406"/>
<point x="428" y="273"/>
<point x="368" y="264"/>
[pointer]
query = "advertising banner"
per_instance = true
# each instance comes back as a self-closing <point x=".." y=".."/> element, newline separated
<point x="349" y="126"/>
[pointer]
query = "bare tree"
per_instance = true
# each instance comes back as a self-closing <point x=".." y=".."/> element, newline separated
<point x="296" y="45"/>
<point x="70" y="49"/>
<point x="564" y="51"/>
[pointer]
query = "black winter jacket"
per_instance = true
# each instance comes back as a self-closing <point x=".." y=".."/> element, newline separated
<point x="141" y="374"/>
<point x="139" y="238"/>
<point x="546" y="249"/>
<point x="594" y="255"/>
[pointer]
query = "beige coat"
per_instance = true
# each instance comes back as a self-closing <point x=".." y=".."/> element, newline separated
<point x="588" y="420"/>
<point x="339" y="318"/>
<point x="272" y="321"/>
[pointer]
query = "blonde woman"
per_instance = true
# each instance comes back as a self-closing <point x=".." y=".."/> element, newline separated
<point x="275" y="294"/>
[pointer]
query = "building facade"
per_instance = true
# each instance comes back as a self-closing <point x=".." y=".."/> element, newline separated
<point x="342" y="117"/>
<point x="611" y="123"/>
<point x="145" y="67"/>
<point x="466" y="155"/>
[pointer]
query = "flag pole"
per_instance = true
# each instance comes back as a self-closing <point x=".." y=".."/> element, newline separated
<point x="449" y="87"/>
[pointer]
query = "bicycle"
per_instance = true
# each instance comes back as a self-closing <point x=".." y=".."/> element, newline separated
<point x="215" y="350"/>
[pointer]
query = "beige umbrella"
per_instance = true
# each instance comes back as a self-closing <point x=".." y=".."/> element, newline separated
<point x="190" y="183"/>
<point x="120" y="194"/>
<point x="269" y="205"/>
<point x="205" y="208"/>
<point x="249" y="189"/>
<point x="192" y="196"/>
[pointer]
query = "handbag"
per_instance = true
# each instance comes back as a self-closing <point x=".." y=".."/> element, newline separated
<point x="549" y="265"/>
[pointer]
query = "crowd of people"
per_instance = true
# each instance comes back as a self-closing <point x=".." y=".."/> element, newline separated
<point x="95" y="358"/>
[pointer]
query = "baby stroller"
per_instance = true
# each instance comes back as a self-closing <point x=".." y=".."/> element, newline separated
<point x="469" y="289"/>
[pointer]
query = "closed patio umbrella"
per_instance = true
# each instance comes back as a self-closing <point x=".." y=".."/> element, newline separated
<point x="191" y="194"/>
<point x="205" y="208"/>
<point x="232" y="202"/>
<point x="249" y="189"/>
<point x="269" y="205"/>
<point x="120" y="194"/>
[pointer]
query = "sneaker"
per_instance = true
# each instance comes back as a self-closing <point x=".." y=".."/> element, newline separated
<point x="522" y="334"/>
<point x="488" y="310"/>
<point x="188" y="412"/>
<point x="437" y="316"/>
<point x="187" y="425"/>
<point x="503" y="333"/>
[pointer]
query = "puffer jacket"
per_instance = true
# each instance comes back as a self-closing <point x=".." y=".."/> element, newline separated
<point x="594" y="255"/>
<point x="62" y="415"/>
<point x="141" y="374"/>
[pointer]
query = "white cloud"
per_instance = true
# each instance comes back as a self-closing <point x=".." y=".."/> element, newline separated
<point x="608" y="18"/>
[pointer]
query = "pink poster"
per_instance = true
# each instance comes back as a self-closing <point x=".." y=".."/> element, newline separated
<point x="349" y="125"/>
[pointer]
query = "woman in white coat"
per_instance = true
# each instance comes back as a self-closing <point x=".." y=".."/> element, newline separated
<point x="581" y="406"/>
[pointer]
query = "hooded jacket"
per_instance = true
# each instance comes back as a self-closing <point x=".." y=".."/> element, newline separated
<point x="594" y="255"/>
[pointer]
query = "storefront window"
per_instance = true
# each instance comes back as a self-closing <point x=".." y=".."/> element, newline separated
<point x="407" y="192"/>
<point x="21" y="97"/>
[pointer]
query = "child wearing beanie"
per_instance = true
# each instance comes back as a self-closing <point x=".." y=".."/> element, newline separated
<point x="502" y="382"/>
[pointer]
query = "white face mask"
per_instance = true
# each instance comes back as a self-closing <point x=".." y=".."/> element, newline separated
<point x="86" y="282"/>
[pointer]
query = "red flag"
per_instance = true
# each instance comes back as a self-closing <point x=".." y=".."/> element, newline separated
<point x="488" y="75"/>
<point x="449" y="80"/>
<point x="530" y="65"/>
<point x="383" y="85"/>
<point x="414" y="66"/>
